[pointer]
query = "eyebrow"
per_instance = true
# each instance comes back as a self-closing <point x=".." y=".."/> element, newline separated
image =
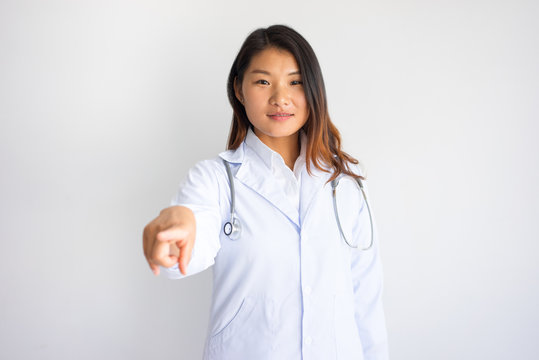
<point x="258" y="71"/>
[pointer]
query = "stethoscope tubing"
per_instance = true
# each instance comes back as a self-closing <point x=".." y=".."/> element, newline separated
<point x="232" y="228"/>
<point x="334" y="184"/>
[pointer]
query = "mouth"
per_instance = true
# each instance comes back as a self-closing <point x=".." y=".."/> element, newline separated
<point x="280" y="116"/>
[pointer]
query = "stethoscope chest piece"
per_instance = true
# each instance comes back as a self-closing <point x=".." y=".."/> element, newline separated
<point x="232" y="229"/>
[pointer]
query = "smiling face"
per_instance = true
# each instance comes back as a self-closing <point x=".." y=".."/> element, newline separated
<point x="273" y="96"/>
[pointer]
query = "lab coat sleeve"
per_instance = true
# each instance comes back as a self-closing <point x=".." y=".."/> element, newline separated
<point x="200" y="192"/>
<point x="367" y="277"/>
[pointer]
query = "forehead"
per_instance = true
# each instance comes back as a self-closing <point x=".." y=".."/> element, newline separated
<point x="273" y="60"/>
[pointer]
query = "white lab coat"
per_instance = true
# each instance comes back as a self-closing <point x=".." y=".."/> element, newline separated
<point x="289" y="287"/>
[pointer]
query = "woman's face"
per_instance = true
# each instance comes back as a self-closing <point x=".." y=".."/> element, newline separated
<point x="273" y="96"/>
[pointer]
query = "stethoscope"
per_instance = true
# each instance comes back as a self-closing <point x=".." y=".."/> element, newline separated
<point x="232" y="228"/>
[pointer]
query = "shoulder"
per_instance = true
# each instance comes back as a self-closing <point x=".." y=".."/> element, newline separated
<point x="207" y="170"/>
<point x="215" y="166"/>
<point x="358" y="169"/>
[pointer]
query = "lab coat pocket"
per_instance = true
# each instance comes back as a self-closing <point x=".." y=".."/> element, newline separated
<point x="241" y="336"/>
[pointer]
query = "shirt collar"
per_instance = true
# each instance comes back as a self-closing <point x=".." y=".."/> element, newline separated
<point x="269" y="156"/>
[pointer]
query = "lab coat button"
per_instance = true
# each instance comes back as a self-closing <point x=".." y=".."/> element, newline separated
<point x="308" y="340"/>
<point x="307" y="290"/>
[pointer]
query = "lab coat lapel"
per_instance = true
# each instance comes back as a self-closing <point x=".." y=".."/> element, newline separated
<point x="258" y="177"/>
<point x="311" y="186"/>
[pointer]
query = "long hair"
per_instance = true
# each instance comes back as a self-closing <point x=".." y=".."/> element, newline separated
<point x="323" y="138"/>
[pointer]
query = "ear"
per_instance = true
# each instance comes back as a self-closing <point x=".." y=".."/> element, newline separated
<point x="237" y="90"/>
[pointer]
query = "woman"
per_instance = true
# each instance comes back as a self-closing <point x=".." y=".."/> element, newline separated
<point x="288" y="283"/>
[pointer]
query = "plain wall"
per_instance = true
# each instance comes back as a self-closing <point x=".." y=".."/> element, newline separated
<point x="104" y="105"/>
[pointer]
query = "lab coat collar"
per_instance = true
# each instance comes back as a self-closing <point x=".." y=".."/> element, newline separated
<point x="311" y="185"/>
<point x="253" y="173"/>
<point x="233" y="156"/>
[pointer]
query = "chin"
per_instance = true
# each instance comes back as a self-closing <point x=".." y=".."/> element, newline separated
<point x="280" y="133"/>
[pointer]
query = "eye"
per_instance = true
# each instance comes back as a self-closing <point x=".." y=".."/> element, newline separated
<point x="297" y="82"/>
<point x="261" y="81"/>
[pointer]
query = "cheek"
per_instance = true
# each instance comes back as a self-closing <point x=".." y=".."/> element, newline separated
<point x="300" y="97"/>
<point x="255" y="98"/>
<point x="302" y="102"/>
<point x="254" y="107"/>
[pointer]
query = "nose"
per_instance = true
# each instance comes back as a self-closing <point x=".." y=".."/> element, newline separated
<point x="280" y="96"/>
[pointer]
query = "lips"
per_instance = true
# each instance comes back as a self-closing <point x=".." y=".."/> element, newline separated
<point x="280" y="116"/>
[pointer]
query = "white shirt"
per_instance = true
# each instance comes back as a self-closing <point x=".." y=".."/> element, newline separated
<point x="287" y="179"/>
<point x="289" y="287"/>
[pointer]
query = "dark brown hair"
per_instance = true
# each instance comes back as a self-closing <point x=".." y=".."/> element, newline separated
<point x="323" y="138"/>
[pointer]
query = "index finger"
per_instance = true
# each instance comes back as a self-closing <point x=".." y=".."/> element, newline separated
<point x="175" y="233"/>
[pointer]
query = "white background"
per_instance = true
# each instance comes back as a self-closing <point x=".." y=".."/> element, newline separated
<point x="104" y="105"/>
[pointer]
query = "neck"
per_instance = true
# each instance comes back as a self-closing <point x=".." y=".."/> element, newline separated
<point x="288" y="146"/>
